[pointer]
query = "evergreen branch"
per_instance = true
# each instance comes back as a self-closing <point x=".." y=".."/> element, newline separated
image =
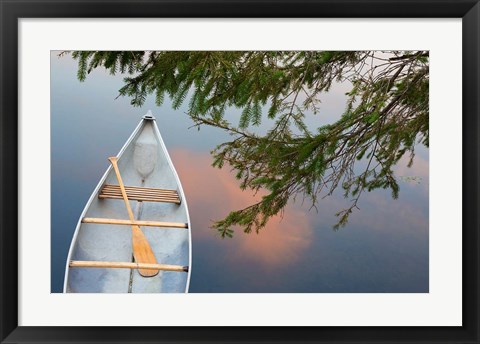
<point x="386" y="114"/>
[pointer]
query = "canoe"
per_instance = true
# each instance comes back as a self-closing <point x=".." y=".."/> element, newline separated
<point x="101" y="258"/>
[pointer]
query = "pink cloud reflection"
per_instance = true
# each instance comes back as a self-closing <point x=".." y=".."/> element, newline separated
<point x="211" y="193"/>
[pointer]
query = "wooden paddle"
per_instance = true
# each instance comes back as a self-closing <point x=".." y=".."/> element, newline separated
<point x="142" y="252"/>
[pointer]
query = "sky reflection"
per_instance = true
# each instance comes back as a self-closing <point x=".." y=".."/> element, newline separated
<point x="384" y="248"/>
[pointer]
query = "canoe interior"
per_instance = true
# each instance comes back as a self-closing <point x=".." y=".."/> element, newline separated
<point x="142" y="162"/>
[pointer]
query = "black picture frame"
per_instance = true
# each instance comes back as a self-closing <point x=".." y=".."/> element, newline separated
<point x="11" y="11"/>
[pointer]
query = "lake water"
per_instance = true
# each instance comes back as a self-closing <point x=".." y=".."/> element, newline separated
<point x="383" y="249"/>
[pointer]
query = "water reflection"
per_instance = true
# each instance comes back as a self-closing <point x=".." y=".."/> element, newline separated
<point x="383" y="249"/>
<point x="212" y="193"/>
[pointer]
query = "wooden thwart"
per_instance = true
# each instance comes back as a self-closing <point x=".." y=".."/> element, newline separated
<point x="135" y="222"/>
<point x="140" y="194"/>
<point x="126" y="265"/>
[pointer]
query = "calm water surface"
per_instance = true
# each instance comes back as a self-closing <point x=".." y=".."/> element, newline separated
<point x="383" y="249"/>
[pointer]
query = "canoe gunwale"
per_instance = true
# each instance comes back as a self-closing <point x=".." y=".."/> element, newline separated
<point x="181" y="196"/>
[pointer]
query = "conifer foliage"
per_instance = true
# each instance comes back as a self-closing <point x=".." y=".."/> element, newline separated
<point x="386" y="116"/>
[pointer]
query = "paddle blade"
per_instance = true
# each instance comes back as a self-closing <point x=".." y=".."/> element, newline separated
<point x="142" y="252"/>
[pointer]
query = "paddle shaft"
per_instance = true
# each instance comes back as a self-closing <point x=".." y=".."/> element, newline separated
<point x="142" y="252"/>
<point x="113" y="160"/>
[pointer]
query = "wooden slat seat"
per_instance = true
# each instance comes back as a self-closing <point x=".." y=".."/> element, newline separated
<point x="126" y="265"/>
<point x="140" y="194"/>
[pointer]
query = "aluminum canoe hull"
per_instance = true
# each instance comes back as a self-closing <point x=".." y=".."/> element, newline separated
<point x="143" y="162"/>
